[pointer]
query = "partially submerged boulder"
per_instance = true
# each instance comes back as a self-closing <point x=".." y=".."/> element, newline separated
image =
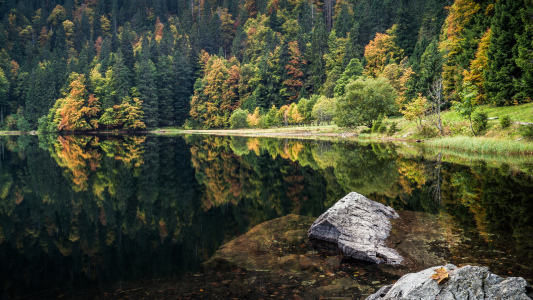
<point x="359" y="226"/>
<point x="468" y="282"/>
<point x="260" y="248"/>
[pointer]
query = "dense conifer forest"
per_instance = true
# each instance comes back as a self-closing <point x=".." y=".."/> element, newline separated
<point x="85" y="65"/>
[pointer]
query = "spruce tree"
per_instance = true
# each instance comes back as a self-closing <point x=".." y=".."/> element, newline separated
<point x="165" y="82"/>
<point x="319" y="45"/>
<point x="501" y="79"/>
<point x="525" y="53"/>
<point x="146" y="86"/>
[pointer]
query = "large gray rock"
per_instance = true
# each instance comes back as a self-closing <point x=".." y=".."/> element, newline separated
<point x="359" y="226"/>
<point x="468" y="282"/>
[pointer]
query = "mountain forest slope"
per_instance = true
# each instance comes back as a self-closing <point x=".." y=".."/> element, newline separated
<point x="73" y="65"/>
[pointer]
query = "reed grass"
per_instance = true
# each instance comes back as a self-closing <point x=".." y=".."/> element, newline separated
<point x="482" y="145"/>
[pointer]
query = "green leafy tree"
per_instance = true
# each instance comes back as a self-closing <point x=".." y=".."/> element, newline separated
<point x="365" y="99"/>
<point x="238" y="119"/>
<point x="325" y="109"/>
<point x="466" y="107"/>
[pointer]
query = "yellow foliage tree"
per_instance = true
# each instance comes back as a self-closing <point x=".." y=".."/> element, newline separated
<point x="78" y="110"/>
<point x="479" y="65"/>
<point x="381" y="51"/>
<point x="416" y="110"/>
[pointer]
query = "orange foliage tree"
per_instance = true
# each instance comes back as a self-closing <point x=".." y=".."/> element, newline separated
<point x="381" y="51"/>
<point x="451" y="43"/>
<point x="479" y="65"/>
<point x="78" y="110"/>
<point x="295" y="75"/>
<point x="216" y="92"/>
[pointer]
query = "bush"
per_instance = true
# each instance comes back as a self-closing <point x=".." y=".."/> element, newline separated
<point x="238" y="119"/>
<point x="377" y="124"/>
<point x="393" y="129"/>
<point x="505" y="121"/>
<point x="527" y="131"/>
<point x="382" y="128"/>
<point x="479" y="120"/>
<point x="366" y="131"/>
<point x="428" y="131"/>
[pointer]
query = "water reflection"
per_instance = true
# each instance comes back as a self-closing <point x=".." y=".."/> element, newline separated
<point x="78" y="210"/>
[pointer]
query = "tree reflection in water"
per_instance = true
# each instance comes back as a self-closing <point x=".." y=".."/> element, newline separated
<point x="77" y="210"/>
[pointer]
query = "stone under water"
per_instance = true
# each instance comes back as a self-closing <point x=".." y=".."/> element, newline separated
<point x="468" y="282"/>
<point x="359" y="226"/>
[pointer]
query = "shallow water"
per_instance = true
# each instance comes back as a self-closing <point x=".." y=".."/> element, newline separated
<point x="146" y="216"/>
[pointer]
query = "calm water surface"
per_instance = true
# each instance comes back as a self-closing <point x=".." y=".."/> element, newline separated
<point x="80" y="212"/>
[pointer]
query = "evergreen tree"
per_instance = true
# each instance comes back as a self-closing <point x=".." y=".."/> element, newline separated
<point x="501" y="79"/>
<point x="121" y="78"/>
<point x="430" y="67"/>
<point x="145" y="72"/>
<point x="166" y="96"/>
<point x="525" y="53"/>
<point x="318" y="49"/>
<point x="343" y="23"/>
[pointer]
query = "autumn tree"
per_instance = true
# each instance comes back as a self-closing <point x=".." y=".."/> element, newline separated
<point x="295" y="75"/>
<point x="78" y="110"/>
<point x="381" y="51"/>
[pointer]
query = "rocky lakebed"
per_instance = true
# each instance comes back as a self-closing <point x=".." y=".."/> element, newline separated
<point x="357" y="249"/>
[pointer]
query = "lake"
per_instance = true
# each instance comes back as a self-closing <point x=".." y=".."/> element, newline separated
<point x="114" y="216"/>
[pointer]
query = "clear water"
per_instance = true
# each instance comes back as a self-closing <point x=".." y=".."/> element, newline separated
<point x="101" y="213"/>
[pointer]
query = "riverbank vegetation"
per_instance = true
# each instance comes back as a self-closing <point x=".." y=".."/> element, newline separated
<point x="137" y="65"/>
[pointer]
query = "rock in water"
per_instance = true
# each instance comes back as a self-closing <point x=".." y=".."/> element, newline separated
<point x="468" y="282"/>
<point x="359" y="226"/>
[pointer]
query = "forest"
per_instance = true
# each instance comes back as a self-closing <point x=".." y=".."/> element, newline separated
<point x="88" y="65"/>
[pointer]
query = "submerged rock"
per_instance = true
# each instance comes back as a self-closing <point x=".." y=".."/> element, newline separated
<point x="261" y="248"/>
<point x="359" y="226"/>
<point x="468" y="282"/>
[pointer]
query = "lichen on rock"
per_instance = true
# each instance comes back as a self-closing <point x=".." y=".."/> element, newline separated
<point x="359" y="226"/>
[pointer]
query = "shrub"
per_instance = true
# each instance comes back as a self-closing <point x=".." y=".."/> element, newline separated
<point x="382" y="128"/>
<point x="505" y="121"/>
<point x="238" y="119"/>
<point x="393" y="129"/>
<point x="527" y="131"/>
<point x="366" y="131"/>
<point x="479" y="120"/>
<point x="377" y="124"/>
<point x="428" y="131"/>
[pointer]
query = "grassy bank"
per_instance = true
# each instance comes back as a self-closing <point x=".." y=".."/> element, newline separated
<point x="482" y="145"/>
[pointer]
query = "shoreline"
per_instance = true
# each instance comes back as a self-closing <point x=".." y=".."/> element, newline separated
<point x="467" y="144"/>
